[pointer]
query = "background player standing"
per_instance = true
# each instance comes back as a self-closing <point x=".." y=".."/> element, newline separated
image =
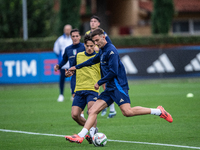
<point x="69" y="55"/>
<point x="95" y="22"/>
<point x="59" y="48"/>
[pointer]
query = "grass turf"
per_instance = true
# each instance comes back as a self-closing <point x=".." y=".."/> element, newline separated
<point x="33" y="108"/>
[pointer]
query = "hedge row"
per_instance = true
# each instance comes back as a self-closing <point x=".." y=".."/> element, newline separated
<point x="158" y="40"/>
<point x="46" y="44"/>
<point x="31" y="45"/>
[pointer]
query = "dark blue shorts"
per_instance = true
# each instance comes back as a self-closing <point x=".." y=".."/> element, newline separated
<point x="83" y="97"/>
<point x="119" y="97"/>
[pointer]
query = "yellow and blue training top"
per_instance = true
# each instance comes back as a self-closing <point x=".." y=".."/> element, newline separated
<point x="87" y="77"/>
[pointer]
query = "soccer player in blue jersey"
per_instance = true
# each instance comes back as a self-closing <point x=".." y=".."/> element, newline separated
<point x="114" y="75"/>
<point x="94" y="24"/>
<point x="70" y="53"/>
<point x="86" y="77"/>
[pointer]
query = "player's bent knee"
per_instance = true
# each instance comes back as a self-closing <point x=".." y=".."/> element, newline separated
<point x="75" y="116"/>
<point x="127" y="113"/>
<point x="92" y="111"/>
<point x="89" y="111"/>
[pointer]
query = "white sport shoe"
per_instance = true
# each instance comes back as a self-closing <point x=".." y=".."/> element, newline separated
<point x="103" y="113"/>
<point x="60" y="98"/>
<point x="112" y="114"/>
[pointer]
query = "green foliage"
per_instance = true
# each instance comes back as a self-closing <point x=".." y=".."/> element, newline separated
<point x="43" y="44"/>
<point x="10" y="18"/>
<point x="32" y="44"/>
<point x="40" y="18"/>
<point x="69" y="14"/>
<point x="162" y="16"/>
<point x="156" y="40"/>
<point x="41" y="21"/>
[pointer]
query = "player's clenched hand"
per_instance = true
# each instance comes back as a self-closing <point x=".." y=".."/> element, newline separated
<point x="72" y="68"/>
<point x="68" y="73"/>
<point x="56" y="67"/>
<point x="96" y="86"/>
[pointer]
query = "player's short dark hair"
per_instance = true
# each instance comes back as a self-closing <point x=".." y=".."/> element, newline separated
<point x="98" y="31"/>
<point x="95" y="17"/>
<point x="87" y="37"/>
<point x="74" y="30"/>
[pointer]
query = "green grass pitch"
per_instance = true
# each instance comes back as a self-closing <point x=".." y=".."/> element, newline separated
<point x="34" y="108"/>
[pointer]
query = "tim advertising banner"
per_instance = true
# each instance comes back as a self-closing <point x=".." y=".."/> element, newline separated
<point x="28" y="68"/>
<point x="183" y="61"/>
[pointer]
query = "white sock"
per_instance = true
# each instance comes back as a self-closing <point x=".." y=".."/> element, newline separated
<point x="92" y="130"/>
<point x="83" y="132"/>
<point x="112" y="107"/>
<point x="82" y="115"/>
<point x="155" y="112"/>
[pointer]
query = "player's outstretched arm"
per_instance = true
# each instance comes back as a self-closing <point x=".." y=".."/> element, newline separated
<point x="89" y="62"/>
<point x="73" y="68"/>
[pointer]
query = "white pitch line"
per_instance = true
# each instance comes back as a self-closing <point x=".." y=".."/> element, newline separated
<point x="24" y="132"/>
<point x="120" y="141"/>
<point x="170" y="145"/>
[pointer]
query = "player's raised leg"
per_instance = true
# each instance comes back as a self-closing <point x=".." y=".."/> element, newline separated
<point x="165" y="115"/>
<point x="129" y="111"/>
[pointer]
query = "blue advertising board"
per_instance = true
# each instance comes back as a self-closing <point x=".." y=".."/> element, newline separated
<point x="180" y="61"/>
<point x="28" y="68"/>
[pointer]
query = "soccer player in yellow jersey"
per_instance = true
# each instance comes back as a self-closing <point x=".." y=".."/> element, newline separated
<point x="86" y="77"/>
<point x="94" y="24"/>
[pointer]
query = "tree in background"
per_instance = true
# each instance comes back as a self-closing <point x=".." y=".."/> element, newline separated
<point x="69" y="14"/>
<point x="163" y="11"/>
<point x="10" y="18"/>
<point x="40" y="18"/>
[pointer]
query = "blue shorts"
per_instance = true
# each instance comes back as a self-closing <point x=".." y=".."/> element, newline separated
<point x="119" y="97"/>
<point x="83" y="97"/>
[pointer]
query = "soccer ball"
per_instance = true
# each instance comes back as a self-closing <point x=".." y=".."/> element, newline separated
<point x="99" y="139"/>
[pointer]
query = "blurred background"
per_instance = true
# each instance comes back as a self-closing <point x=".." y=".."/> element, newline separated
<point x="155" y="38"/>
<point x="158" y="42"/>
<point x="129" y="17"/>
